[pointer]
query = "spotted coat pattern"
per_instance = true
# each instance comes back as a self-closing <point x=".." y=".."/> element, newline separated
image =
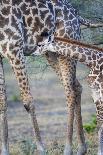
<point x="87" y="54"/>
<point x="22" y="26"/>
<point x="92" y="57"/>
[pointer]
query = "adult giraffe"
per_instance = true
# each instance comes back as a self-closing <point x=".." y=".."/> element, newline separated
<point x="22" y="26"/>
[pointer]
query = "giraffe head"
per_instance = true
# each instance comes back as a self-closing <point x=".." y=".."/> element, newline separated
<point x="45" y="45"/>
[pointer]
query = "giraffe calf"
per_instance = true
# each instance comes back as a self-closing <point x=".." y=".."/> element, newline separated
<point x="92" y="57"/>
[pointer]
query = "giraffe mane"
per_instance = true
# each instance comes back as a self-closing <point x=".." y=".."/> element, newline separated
<point x="78" y="43"/>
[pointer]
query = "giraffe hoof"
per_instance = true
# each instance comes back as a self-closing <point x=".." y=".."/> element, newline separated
<point x="41" y="148"/>
<point x="4" y="152"/>
<point x="42" y="153"/>
<point x="101" y="153"/>
<point x="82" y="150"/>
<point x="68" y="151"/>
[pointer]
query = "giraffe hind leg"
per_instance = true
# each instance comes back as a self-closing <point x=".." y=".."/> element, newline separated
<point x="82" y="150"/>
<point x="100" y="138"/>
<point x="3" y="114"/>
<point x="99" y="110"/>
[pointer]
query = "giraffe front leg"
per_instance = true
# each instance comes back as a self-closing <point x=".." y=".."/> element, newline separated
<point x="70" y="119"/>
<point x="18" y="64"/>
<point x="3" y="114"/>
<point x="67" y="68"/>
<point x="79" y="125"/>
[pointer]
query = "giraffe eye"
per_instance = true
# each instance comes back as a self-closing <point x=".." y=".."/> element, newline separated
<point x="38" y="45"/>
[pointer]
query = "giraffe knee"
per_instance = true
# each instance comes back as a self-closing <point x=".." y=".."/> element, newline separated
<point x="30" y="107"/>
<point x="28" y="102"/>
<point x="27" y="107"/>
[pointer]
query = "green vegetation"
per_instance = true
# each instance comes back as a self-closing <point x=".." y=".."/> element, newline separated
<point x="90" y="127"/>
<point x="15" y="98"/>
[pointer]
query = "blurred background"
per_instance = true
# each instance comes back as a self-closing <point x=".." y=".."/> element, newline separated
<point x="50" y="99"/>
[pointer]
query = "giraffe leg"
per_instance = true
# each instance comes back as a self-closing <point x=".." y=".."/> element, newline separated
<point x="65" y="70"/>
<point x="99" y="110"/>
<point x="53" y="61"/>
<point x="100" y="140"/>
<point x="79" y="125"/>
<point x="3" y="114"/>
<point x="68" y="70"/>
<point x="18" y="64"/>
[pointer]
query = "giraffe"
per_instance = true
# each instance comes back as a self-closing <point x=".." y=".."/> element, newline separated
<point x="18" y="33"/>
<point x="68" y="25"/>
<point x="22" y="26"/>
<point x="92" y="57"/>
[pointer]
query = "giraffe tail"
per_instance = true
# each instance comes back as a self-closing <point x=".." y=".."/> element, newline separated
<point x="89" y="23"/>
